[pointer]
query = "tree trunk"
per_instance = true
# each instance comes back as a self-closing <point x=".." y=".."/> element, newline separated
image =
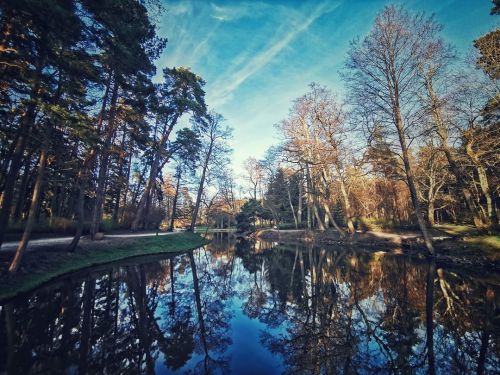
<point x="20" y="204"/>
<point x="174" y="203"/>
<point x="291" y="207"/>
<point x="431" y="212"/>
<point x="153" y="174"/>
<point x="347" y="207"/>
<point x="35" y="200"/>
<point x="478" y="218"/>
<point x="332" y="220"/>
<point x="492" y="221"/>
<point x="321" y="227"/>
<point x="103" y="168"/>
<point x="201" y="187"/>
<point x="411" y="182"/>
<point x="127" y="187"/>
<point x="299" y="210"/>
<point x="82" y="181"/>
<point x="118" y="193"/>
<point x="17" y="156"/>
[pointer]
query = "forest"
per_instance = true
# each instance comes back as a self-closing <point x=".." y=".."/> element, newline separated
<point x="85" y="132"/>
<point x="414" y="143"/>
<point x="134" y="238"/>
<point x="92" y="138"/>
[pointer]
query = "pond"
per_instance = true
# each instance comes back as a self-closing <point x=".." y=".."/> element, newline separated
<point x="248" y="307"/>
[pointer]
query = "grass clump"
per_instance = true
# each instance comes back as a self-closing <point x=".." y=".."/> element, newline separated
<point x="41" y="267"/>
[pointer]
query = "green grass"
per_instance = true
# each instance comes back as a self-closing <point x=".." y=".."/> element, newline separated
<point x="457" y="230"/>
<point x="39" y="268"/>
<point x="473" y="243"/>
<point x="491" y="241"/>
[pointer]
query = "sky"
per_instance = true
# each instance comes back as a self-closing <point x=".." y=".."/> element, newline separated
<point x="258" y="56"/>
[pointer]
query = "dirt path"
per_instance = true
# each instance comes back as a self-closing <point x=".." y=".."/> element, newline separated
<point x="62" y="241"/>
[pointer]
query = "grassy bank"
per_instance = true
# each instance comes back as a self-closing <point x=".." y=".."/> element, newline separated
<point x="464" y="247"/>
<point x="40" y="267"/>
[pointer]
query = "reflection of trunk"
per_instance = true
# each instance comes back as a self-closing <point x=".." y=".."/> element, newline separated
<point x="429" y="321"/>
<point x="172" y="280"/>
<point x="138" y="286"/>
<point x="67" y="315"/>
<point x="88" y="302"/>
<point x="201" y="321"/>
<point x="35" y="201"/>
<point x="11" y="338"/>
<point x="485" y="337"/>
<point x="294" y="263"/>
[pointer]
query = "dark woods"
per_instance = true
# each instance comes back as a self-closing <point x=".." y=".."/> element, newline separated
<point x="84" y="131"/>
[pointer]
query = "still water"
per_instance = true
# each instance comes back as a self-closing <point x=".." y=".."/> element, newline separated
<point x="256" y="308"/>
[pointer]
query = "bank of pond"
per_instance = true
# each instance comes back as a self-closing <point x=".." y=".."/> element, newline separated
<point x="245" y="307"/>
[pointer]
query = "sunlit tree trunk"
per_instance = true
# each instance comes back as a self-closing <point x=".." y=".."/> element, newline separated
<point x="153" y="174"/>
<point x="35" y="201"/>
<point x="478" y="218"/>
<point x="201" y="187"/>
<point x="410" y="179"/>
<point x="25" y="130"/>
<point x="291" y="206"/>
<point x="174" y="203"/>
<point x="299" y="210"/>
<point x="104" y="162"/>
<point x="492" y="221"/>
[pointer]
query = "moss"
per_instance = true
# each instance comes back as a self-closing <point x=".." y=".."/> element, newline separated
<point x="45" y="266"/>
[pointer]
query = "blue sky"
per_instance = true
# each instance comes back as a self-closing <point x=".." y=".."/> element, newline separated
<point x="258" y="56"/>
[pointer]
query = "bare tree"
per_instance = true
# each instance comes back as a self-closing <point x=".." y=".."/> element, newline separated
<point x="254" y="174"/>
<point x="214" y="137"/>
<point x="382" y="73"/>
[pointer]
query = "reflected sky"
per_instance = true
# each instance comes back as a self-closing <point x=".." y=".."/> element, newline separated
<point x="254" y="307"/>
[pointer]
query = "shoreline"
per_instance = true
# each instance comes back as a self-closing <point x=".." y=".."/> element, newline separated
<point x="42" y="266"/>
<point x="449" y="250"/>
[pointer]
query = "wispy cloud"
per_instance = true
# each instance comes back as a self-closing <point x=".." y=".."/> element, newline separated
<point x="228" y="13"/>
<point x="184" y="8"/>
<point x="224" y="89"/>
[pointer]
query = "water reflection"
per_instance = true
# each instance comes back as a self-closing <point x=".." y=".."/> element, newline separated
<point x="254" y="307"/>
